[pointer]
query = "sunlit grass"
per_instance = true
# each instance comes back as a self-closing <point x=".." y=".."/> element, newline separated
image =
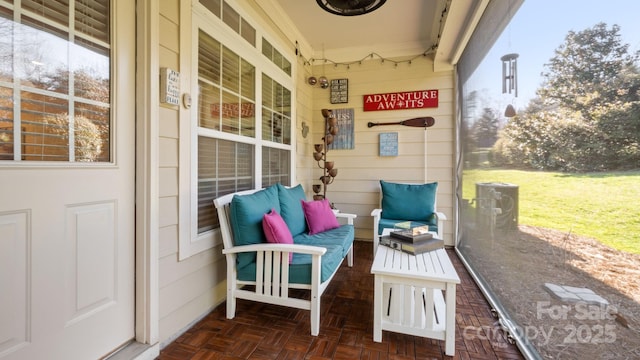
<point x="603" y="206"/>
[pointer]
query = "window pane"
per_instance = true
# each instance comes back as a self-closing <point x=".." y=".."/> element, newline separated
<point x="231" y="17"/>
<point x="247" y="119"/>
<point x="90" y="74"/>
<point x="267" y="49"/>
<point x="46" y="127"/>
<point x="209" y="106"/>
<point x="223" y="167"/>
<point x="6" y="45"/>
<point x="267" y="92"/>
<point x="6" y="124"/>
<point x="207" y="154"/>
<point x="248" y="32"/>
<point x="92" y="18"/>
<point x="208" y="58"/>
<point x="276" y="100"/>
<point x="275" y="166"/>
<point x="285" y="105"/>
<point x="66" y="57"/>
<point x="248" y="80"/>
<point x="213" y="6"/>
<point x="53" y="10"/>
<point x="267" y="125"/>
<point x="40" y="61"/>
<point x="230" y="70"/>
<point x="91" y="133"/>
<point x="229" y="112"/>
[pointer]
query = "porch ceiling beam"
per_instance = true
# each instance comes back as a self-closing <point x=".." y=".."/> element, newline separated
<point x="461" y="20"/>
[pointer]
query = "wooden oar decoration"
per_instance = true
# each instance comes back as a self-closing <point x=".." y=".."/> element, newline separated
<point x="415" y="122"/>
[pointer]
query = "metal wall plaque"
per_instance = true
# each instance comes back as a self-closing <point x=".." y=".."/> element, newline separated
<point x="339" y="91"/>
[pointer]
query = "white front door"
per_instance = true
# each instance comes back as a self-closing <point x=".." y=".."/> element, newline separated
<point x="67" y="157"/>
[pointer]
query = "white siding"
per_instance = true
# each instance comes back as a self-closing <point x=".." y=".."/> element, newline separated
<point x="190" y="288"/>
<point x="356" y="188"/>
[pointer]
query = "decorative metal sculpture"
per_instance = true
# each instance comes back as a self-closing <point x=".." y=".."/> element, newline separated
<point x="320" y="155"/>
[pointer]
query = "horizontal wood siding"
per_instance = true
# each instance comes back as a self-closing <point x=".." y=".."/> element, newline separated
<point x="356" y="188"/>
<point x="188" y="289"/>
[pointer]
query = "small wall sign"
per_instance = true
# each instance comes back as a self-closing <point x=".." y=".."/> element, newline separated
<point x="401" y="100"/>
<point x="169" y="86"/>
<point x="344" y="139"/>
<point x="389" y="144"/>
<point x="339" y="91"/>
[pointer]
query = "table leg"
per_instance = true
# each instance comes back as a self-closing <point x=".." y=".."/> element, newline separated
<point x="450" y="325"/>
<point x="377" y="309"/>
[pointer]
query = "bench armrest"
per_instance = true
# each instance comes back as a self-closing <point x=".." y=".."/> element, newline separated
<point x="294" y="248"/>
<point x="349" y="217"/>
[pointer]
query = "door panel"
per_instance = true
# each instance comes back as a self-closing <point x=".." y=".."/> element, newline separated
<point x="67" y="228"/>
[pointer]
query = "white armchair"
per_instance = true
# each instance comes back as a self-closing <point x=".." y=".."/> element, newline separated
<point x="401" y="202"/>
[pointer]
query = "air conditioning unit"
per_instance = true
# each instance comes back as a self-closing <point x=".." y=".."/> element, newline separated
<point x="497" y="205"/>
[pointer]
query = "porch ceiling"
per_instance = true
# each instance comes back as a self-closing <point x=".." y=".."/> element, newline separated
<point x="398" y="28"/>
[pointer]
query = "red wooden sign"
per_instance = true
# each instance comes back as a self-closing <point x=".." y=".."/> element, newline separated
<point x="401" y="100"/>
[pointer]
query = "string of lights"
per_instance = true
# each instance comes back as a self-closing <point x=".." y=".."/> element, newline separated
<point x="370" y="56"/>
<point x="374" y="55"/>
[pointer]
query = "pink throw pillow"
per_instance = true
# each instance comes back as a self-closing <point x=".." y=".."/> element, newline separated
<point x="276" y="230"/>
<point x="319" y="216"/>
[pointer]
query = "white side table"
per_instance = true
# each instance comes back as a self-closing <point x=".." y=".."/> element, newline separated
<point x="412" y="301"/>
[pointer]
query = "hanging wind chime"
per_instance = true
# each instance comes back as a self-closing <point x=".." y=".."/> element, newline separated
<point x="510" y="79"/>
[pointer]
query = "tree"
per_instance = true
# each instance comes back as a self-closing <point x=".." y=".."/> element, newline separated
<point x="591" y="69"/>
<point x="587" y="113"/>
<point x="485" y="129"/>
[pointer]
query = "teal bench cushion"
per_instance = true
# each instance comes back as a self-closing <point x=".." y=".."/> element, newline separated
<point x="246" y="212"/>
<point x="342" y="236"/>
<point x="413" y="202"/>
<point x="300" y="266"/>
<point x="291" y="208"/>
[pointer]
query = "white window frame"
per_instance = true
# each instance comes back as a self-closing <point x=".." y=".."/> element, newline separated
<point x="68" y="96"/>
<point x="195" y="14"/>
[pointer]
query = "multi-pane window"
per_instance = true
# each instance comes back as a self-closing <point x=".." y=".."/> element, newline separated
<point x="276" y="57"/>
<point x="230" y="137"/>
<point x="55" y="81"/>
<point x="276" y="165"/>
<point x="222" y="10"/>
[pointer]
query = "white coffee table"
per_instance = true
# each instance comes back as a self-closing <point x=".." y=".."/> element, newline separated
<point x="408" y="295"/>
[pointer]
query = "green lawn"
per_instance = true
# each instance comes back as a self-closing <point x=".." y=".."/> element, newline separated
<point x="604" y="206"/>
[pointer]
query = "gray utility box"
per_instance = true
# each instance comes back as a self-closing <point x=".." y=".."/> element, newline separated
<point x="497" y="205"/>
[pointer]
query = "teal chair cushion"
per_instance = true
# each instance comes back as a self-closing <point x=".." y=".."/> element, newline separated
<point x="413" y="202"/>
<point x="246" y="212"/>
<point x="291" y="208"/>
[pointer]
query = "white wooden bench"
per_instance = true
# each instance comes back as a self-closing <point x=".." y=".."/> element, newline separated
<point x="272" y="268"/>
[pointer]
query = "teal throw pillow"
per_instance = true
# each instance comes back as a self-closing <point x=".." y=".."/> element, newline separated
<point x="247" y="212"/>
<point x="291" y="209"/>
<point x="408" y="201"/>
